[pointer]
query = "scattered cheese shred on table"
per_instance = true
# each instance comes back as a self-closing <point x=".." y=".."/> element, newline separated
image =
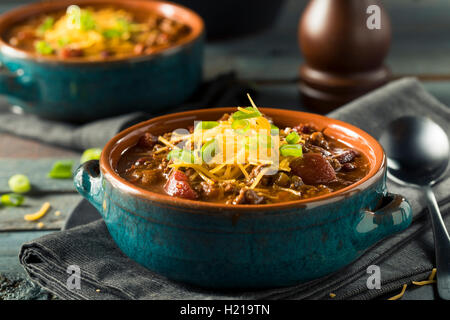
<point x="39" y="214"/>
<point x="422" y="283"/>
<point x="432" y="275"/>
<point x="57" y="213"/>
<point x="40" y="225"/>
<point x="429" y="281"/>
<point x="332" y="295"/>
<point x="398" y="296"/>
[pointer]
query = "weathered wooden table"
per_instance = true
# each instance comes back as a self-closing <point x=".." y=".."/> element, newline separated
<point x="420" y="48"/>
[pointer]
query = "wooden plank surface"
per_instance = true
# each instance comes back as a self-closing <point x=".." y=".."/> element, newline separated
<point x="420" y="47"/>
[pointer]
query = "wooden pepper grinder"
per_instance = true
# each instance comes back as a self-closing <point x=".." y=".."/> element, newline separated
<point x="343" y="52"/>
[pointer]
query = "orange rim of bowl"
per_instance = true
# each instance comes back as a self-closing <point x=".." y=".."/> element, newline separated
<point x="118" y="182"/>
<point x="192" y="19"/>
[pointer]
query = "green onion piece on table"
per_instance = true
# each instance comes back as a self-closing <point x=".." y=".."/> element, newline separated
<point x="291" y="150"/>
<point x="12" y="199"/>
<point x="61" y="170"/>
<point x="19" y="183"/>
<point x="239" y="115"/>
<point x="90" y="154"/>
<point x="205" y="125"/>
<point x="292" y="138"/>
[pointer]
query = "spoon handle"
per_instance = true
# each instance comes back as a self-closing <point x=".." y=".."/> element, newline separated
<point x="441" y="245"/>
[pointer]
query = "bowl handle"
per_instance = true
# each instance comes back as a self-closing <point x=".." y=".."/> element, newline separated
<point x="395" y="215"/>
<point x="88" y="183"/>
<point x="16" y="85"/>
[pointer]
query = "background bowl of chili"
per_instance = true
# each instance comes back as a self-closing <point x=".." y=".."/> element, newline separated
<point x="78" y="90"/>
<point x="244" y="246"/>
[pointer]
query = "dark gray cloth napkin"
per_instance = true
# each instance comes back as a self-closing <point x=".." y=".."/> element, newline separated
<point x="106" y="273"/>
<point x="223" y="90"/>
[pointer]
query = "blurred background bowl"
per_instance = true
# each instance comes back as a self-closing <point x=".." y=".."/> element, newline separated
<point x="80" y="91"/>
<point x="233" y="18"/>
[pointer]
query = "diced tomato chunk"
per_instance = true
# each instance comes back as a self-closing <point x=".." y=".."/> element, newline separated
<point x="178" y="186"/>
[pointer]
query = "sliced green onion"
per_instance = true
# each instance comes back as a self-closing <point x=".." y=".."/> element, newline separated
<point x="43" y="47"/>
<point x="240" y="126"/>
<point x="61" y="170"/>
<point x="239" y="115"/>
<point x="181" y="155"/>
<point x="257" y="141"/>
<point x="205" y="125"/>
<point x="46" y="24"/>
<point x="292" y="138"/>
<point x="123" y="25"/>
<point x="112" y="33"/>
<point x="209" y="150"/>
<point x="87" y="22"/>
<point x="291" y="150"/>
<point x="63" y="41"/>
<point x="19" y="183"/>
<point x="12" y="199"/>
<point x="274" y="130"/>
<point x="90" y="154"/>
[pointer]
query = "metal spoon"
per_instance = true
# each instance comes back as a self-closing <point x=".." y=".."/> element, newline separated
<point x="418" y="155"/>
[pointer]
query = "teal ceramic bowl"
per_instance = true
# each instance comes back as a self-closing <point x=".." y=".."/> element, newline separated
<point x="244" y="246"/>
<point x="78" y="90"/>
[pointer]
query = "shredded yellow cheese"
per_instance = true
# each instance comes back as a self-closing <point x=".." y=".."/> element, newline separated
<point x="251" y="101"/>
<point x="258" y="178"/>
<point x="422" y="283"/>
<point x="244" y="110"/>
<point x="205" y="178"/>
<point x="430" y="279"/>
<point x="197" y="168"/>
<point x="398" y="296"/>
<point x="216" y="169"/>
<point x="332" y="295"/>
<point x="433" y="274"/>
<point x="167" y="143"/>
<point x="243" y="171"/>
<point x="40" y="225"/>
<point x="227" y="172"/>
<point x="297" y="193"/>
<point x="161" y="150"/>
<point x="39" y="214"/>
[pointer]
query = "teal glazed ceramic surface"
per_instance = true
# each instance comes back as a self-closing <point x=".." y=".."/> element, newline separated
<point x="78" y="91"/>
<point x="244" y="246"/>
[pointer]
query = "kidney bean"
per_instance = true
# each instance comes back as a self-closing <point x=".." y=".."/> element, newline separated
<point x="348" y="166"/>
<point x="296" y="182"/>
<point x="150" y="176"/>
<point x="346" y="156"/>
<point x="282" y="179"/>
<point x="147" y="140"/>
<point x="305" y="128"/>
<point x="178" y="186"/>
<point x="318" y="139"/>
<point x="209" y="191"/>
<point x="251" y="197"/>
<point x="313" y="169"/>
<point x="70" y="53"/>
